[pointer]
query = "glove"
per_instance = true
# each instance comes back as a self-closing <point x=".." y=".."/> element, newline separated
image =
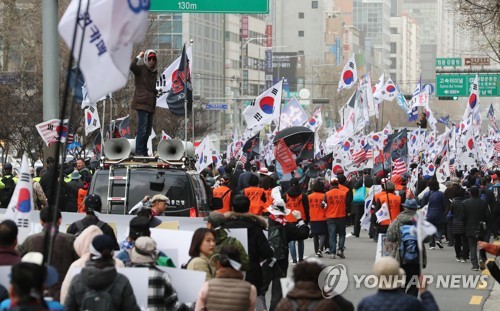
<point x="140" y="55"/>
<point x="297" y="215"/>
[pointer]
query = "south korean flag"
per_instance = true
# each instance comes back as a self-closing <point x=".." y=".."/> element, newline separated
<point x="265" y="108"/>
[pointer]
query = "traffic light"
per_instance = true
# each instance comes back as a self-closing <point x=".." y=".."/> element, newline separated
<point x="448" y="97"/>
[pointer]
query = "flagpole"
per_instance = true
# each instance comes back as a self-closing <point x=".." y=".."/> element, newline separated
<point x="192" y="111"/>
<point x="185" y="100"/>
<point x="279" y="104"/>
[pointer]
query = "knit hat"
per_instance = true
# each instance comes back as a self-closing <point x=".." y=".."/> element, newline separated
<point x="144" y="251"/>
<point x="139" y="226"/>
<point x="36" y="258"/>
<point x="7" y="167"/>
<point x="93" y="203"/>
<point x="216" y="219"/>
<point x="390" y="275"/>
<point x="411" y="204"/>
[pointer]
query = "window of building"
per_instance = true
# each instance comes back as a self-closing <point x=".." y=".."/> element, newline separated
<point x="301" y="33"/>
<point x="394" y="30"/>
<point x="301" y="15"/>
<point x="393" y="47"/>
<point x="393" y="63"/>
<point x="314" y="4"/>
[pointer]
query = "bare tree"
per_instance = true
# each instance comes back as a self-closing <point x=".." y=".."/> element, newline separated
<point x="481" y="16"/>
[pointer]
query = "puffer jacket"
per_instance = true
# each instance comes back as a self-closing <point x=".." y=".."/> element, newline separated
<point x="81" y="246"/>
<point x="437" y="206"/>
<point x="145" y="84"/>
<point x="121" y="292"/>
<point x="457" y="208"/>
<point x="304" y="294"/>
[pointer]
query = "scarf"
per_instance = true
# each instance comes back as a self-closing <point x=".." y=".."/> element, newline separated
<point x="279" y="219"/>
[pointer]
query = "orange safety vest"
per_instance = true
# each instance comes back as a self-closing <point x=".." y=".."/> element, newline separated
<point x="269" y="199"/>
<point x="82" y="193"/>
<point x="254" y="194"/>
<point x="225" y="191"/>
<point x="394" y="205"/>
<point x="335" y="203"/>
<point x="294" y="204"/>
<point x="316" y="211"/>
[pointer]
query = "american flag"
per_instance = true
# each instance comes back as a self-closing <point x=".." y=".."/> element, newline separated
<point x="369" y="153"/>
<point x="497" y="146"/>
<point x="243" y="159"/>
<point x="359" y="156"/>
<point x="399" y="166"/>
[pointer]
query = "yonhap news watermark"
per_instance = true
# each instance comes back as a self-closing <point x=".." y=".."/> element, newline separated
<point x="334" y="280"/>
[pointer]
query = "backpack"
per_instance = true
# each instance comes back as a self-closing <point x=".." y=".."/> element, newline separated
<point x="80" y="226"/>
<point x="98" y="300"/>
<point x="408" y="250"/>
<point x="310" y="306"/>
<point x="7" y="192"/>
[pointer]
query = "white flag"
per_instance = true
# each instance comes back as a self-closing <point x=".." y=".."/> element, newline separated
<point x="109" y="29"/>
<point x="49" y="131"/>
<point x="92" y="122"/>
<point x="383" y="213"/>
<point x="164" y="82"/>
<point x="423" y="228"/>
<point x="265" y="108"/>
<point x="204" y="155"/>
<point x="389" y="90"/>
<point x="150" y="142"/>
<point x="349" y="75"/>
<point x="21" y="203"/>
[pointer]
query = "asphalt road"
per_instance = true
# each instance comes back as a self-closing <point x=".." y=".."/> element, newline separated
<point x="360" y="255"/>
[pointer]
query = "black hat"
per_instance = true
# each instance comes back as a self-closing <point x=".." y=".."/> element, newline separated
<point x="139" y="226"/>
<point x="7" y="167"/>
<point x="93" y="203"/>
<point x="103" y="242"/>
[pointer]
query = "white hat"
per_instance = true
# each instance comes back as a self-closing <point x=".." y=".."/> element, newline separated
<point x="36" y="258"/>
<point x="144" y="251"/>
<point x="390" y="275"/>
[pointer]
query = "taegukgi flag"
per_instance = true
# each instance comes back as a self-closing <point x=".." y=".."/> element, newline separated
<point x="349" y="75"/>
<point x="105" y="33"/>
<point x="265" y="108"/>
<point x="92" y="122"/>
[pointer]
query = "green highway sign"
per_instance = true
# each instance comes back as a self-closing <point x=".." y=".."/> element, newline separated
<point x="459" y="85"/>
<point x="448" y="62"/>
<point x="211" y="6"/>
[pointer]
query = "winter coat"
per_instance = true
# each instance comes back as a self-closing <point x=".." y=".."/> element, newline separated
<point x="406" y="217"/>
<point x="259" y="248"/>
<point x="227" y="291"/>
<point x="81" y="246"/>
<point x="72" y="188"/>
<point x="121" y="292"/>
<point x="396" y="300"/>
<point x="63" y="255"/>
<point x="222" y="239"/>
<point x="89" y="220"/>
<point x="305" y="293"/>
<point x="8" y="257"/>
<point x="437" y="206"/>
<point x="234" y="180"/>
<point x="475" y="211"/>
<point x="202" y="264"/>
<point x="457" y="209"/>
<point x="145" y="85"/>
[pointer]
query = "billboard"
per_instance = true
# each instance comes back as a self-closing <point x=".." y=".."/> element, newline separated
<point x="291" y="67"/>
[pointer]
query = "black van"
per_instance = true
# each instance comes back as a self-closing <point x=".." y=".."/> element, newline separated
<point x="185" y="189"/>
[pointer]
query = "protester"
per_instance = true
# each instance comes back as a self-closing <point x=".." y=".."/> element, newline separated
<point x="360" y="191"/>
<point x="227" y="291"/>
<point x="7" y="185"/>
<point x="422" y="123"/>
<point x="82" y="168"/>
<point x="216" y="221"/>
<point x="280" y="235"/>
<point x="71" y="190"/>
<point x="475" y="215"/>
<point x="82" y="249"/>
<point x="306" y="293"/>
<point x="201" y="250"/>
<point x="224" y="193"/>
<point x="244" y="178"/>
<point x="82" y="193"/>
<point x="100" y="275"/>
<point x="317" y="216"/>
<point x="389" y="297"/>
<point x="436" y="202"/>
<point x="255" y="194"/>
<point x="235" y="177"/>
<point x="336" y="213"/>
<point x="8" y="243"/>
<point x="458" y="225"/>
<point x="393" y="203"/>
<point x="161" y="292"/>
<point x="144" y="68"/>
<point x="158" y="204"/>
<point x="39" y="198"/>
<point x="63" y="253"/>
<point x="394" y="235"/>
<point x="92" y="204"/>
<point x="296" y="201"/>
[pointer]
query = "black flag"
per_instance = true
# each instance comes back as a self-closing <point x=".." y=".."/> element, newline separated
<point x="181" y="87"/>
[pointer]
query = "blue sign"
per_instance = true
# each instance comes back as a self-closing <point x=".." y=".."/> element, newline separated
<point x="337" y="54"/>
<point x="216" y="106"/>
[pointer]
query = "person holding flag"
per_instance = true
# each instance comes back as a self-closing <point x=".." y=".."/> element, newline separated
<point x="144" y="68"/>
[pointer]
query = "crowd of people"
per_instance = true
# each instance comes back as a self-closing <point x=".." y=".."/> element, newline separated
<point x="465" y="211"/>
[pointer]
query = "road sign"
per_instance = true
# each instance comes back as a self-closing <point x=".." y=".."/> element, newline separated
<point x="477" y="61"/>
<point x="216" y="106"/>
<point x="448" y="62"/>
<point x="211" y="6"/>
<point x="459" y="85"/>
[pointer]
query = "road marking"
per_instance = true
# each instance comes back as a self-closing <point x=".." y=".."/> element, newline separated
<point x="476" y="300"/>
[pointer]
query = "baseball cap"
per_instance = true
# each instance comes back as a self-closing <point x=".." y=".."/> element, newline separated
<point x="93" y="203"/>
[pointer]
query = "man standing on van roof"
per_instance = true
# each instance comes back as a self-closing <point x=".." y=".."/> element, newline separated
<point x="144" y="69"/>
